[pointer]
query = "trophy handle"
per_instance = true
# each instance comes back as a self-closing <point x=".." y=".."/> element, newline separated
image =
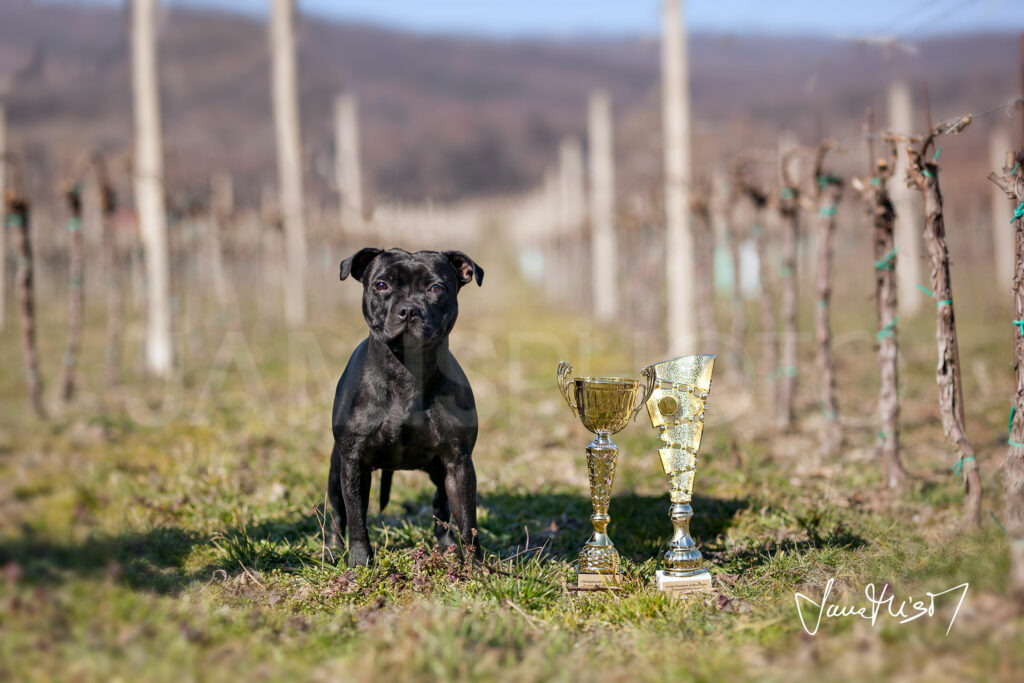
<point x="651" y="376"/>
<point x="564" y="376"/>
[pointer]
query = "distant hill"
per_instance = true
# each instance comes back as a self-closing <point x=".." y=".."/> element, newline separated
<point x="443" y="117"/>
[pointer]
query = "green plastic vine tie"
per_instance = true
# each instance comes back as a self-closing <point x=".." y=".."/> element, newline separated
<point x="1018" y="212"/>
<point x="938" y="304"/>
<point x="959" y="464"/>
<point x="889" y="330"/>
<point x="886" y="262"/>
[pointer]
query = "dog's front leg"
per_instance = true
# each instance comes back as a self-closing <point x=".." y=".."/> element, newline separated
<point x="355" y="488"/>
<point x="442" y="512"/>
<point x="460" y="484"/>
<point x="338" y="519"/>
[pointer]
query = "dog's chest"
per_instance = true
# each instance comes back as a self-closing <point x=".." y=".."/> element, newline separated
<point x="408" y="438"/>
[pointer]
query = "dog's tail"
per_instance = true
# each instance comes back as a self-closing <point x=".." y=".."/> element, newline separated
<point x="385" y="488"/>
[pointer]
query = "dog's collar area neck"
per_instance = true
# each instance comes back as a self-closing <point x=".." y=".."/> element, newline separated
<point x="400" y="350"/>
<point x="421" y="358"/>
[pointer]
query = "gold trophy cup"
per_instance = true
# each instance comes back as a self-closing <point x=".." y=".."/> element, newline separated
<point x="676" y="407"/>
<point x="604" y="405"/>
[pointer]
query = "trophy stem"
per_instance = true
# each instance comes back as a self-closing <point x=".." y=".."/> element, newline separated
<point x="682" y="557"/>
<point x="599" y="555"/>
<point x="683" y="566"/>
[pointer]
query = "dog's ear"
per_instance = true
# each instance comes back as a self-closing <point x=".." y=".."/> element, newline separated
<point x="465" y="268"/>
<point x="355" y="265"/>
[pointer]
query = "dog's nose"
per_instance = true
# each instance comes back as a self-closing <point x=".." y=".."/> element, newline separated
<point x="406" y="311"/>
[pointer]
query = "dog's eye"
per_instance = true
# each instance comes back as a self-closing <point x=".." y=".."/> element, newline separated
<point x="436" y="288"/>
<point x="381" y="286"/>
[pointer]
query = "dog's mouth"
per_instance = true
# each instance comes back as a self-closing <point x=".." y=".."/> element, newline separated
<point x="411" y="334"/>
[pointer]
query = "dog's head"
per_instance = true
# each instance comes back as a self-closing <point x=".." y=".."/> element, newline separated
<point x="410" y="299"/>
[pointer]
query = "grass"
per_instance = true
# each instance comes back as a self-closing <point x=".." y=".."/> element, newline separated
<point x="170" y="531"/>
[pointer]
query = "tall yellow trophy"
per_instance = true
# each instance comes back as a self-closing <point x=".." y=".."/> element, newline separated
<point x="676" y="407"/>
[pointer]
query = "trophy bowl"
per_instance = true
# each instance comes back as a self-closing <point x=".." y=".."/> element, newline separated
<point x="604" y="405"/>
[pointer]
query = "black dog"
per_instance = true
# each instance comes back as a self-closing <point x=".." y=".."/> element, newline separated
<point x="403" y="402"/>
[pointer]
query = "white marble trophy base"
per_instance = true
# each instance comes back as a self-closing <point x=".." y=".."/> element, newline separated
<point x="683" y="585"/>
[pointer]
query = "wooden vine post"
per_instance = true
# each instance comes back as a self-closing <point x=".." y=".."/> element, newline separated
<point x="704" y="275"/>
<point x="113" y="268"/>
<point x="76" y="289"/>
<point x="16" y="211"/>
<point x="1011" y="181"/>
<point x="678" y="240"/>
<point x="3" y="221"/>
<point x="827" y="193"/>
<point x="220" y="216"/>
<point x="284" y="88"/>
<point x="923" y="173"/>
<point x="789" y="210"/>
<point x="734" y="239"/>
<point x="769" y="345"/>
<point x="150" y="201"/>
<point x="875" y="193"/>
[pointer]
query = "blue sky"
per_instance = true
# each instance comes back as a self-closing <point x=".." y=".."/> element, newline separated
<point x="909" y="19"/>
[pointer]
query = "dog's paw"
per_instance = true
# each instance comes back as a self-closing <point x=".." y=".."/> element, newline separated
<point x="445" y="538"/>
<point x="360" y="556"/>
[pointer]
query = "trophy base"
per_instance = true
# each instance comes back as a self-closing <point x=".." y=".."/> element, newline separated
<point x="597" y="580"/>
<point x="678" y="586"/>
